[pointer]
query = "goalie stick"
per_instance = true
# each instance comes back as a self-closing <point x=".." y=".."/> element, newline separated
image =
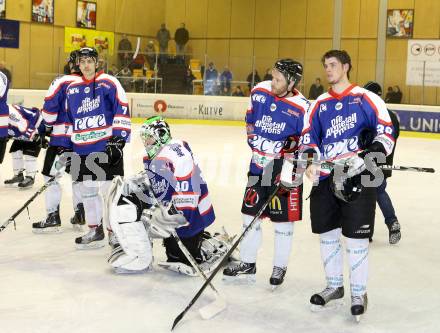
<point x="225" y="258"/>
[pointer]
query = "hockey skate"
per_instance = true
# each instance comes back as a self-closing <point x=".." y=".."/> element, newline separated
<point x="240" y="272"/>
<point x="394" y="232"/>
<point x="359" y="306"/>
<point x="328" y="299"/>
<point x="27" y="183"/>
<point x="112" y="240"/>
<point x="14" y="181"/>
<point x="79" y="218"/>
<point x="94" y="239"/>
<point x="50" y="225"/>
<point x="277" y="277"/>
<point x="179" y="267"/>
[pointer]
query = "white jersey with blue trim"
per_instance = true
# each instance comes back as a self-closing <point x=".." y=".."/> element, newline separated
<point x="54" y="112"/>
<point x="97" y="109"/>
<point x="335" y="121"/>
<point x="273" y="124"/>
<point x="175" y="176"/>
<point x="24" y="122"/>
<point x="4" y="109"/>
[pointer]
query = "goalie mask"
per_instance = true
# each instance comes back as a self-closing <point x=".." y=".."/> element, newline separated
<point x="155" y="133"/>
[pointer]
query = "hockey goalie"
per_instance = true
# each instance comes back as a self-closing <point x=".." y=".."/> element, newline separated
<point x="168" y="201"/>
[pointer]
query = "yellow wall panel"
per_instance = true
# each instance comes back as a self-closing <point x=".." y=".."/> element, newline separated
<point x="400" y="4"/>
<point x="19" y="10"/>
<point x="106" y="15"/>
<point x="197" y="48"/>
<point x="315" y="49"/>
<point x="320" y="19"/>
<point x="289" y="27"/>
<point x="41" y="60"/>
<point x="243" y="18"/>
<point x="352" y="47"/>
<point x="350" y="18"/>
<point x="267" y="19"/>
<point x="218" y="52"/>
<point x="18" y="60"/>
<point x="427" y="19"/>
<point x="369" y="18"/>
<point x="196" y="16"/>
<point x="395" y="65"/>
<point x="366" y="65"/>
<point x="219" y="18"/>
<point x="65" y="13"/>
<point x="266" y="53"/>
<point x="241" y="57"/>
<point x="59" y="57"/>
<point x="175" y="14"/>
<point x="292" y="48"/>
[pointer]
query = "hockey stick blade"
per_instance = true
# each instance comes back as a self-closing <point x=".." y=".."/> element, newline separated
<point x="213" y="308"/>
<point x="224" y="259"/>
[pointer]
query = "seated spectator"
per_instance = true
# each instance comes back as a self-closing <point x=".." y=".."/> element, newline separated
<point x="124" y="51"/>
<point x="398" y="95"/>
<point x="238" y="92"/>
<point x="268" y="75"/>
<point x="210" y="80"/>
<point x="253" y="78"/>
<point x="225" y="81"/>
<point x="188" y="79"/>
<point x="125" y="78"/>
<point x="316" y="89"/>
<point x="390" y="96"/>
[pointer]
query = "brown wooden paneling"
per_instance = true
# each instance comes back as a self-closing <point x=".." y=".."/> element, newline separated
<point x="293" y="15"/>
<point x="369" y="18"/>
<point x="219" y="19"/>
<point x="350" y="18"/>
<point x="427" y="19"/>
<point x="106" y="15"/>
<point x="19" y="10"/>
<point x="366" y="65"/>
<point x="41" y="59"/>
<point x="320" y="19"/>
<point x="241" y="57"/>
<point x="18" y="60"/>
<point x="315" y="49"/>
<point x="196" y="17"/>
<point x="267" y="19"/>
<point x="242" y="18"/>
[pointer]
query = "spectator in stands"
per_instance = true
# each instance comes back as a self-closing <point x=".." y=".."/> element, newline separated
<point x="125" y="78"/>
<point x="151" y="55"/>
<point x="268" y="75"/>
<point x="181" y="37"/>
<point x="6" y="71"/>
<point x="316" y="89"/>
<point x="389" y="97"/>
<point x="210" y="80"/>
<point x="124" y="51"/>
<point x="188" y="79"/>
<point x="102" y="65"/>
<point x="163" y="37"/>
<point x="253" y="78"/>
<point x="113" y="70"/>
<point x="225" y="81"/>
<point x="398" y="95"/>
<point x="238" y="92"/>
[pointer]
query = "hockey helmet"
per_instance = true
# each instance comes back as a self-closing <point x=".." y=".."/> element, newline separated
<point x="88" y="52"/>
<point x="373" y="87"/>
<point x="155" y="133"/>
<point x="346" y="189"/>
<point x="291" y="69"/>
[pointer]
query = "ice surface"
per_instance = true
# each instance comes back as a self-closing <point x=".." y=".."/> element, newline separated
<point x="48" y="286"/>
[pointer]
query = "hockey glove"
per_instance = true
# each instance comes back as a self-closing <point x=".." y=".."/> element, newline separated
<point x="114" y="149"/>
<point x="162" y="221"/>
<point x="355" y="165"/>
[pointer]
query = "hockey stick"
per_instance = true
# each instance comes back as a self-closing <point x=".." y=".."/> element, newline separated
<point x="219" y="304"/>
<point x="225" y="258"/>
<point x="135" y="54"/>
<point x="27" y="203"/>
<point x="329" y="165"/>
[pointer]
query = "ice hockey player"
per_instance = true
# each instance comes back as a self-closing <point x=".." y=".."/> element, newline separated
<point x="383" y="199"/>
<point x="4" y="115"/>
<point x="170" y="196"/>
<point x="55" y="117"/>
<point x="332" y="131"/>
<point x="99" y="126"/>
<point x="274" y="121"/>
<point x="27" y="131"/>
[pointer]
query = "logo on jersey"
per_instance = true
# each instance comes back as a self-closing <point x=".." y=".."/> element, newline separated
<point x="338" y="106"/>
<point x="335" y="149"/>
<point x="90" y="122"/>
<point x="267" y="125"/>
<point x="275" y="205"/>
<point x="86" y="90"/>
<point x="251" y="198"/>
<point x="323" y="108"/>
<point x="72" y="91"/>
<point x="90" y="136"/>
<point x="341" y="125"/>
<point x="259" y="98"/>
<point x="273" y="107"/>
<point x="89" y="105"/>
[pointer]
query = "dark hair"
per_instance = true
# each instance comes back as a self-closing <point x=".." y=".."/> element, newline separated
<point x="342" y="56"/>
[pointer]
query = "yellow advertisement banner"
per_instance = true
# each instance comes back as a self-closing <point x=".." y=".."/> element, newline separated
<point x="75" y="38"/>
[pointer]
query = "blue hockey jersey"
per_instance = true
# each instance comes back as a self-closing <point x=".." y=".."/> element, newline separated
<point x="4" y="110"/>
<point x="334" y="122"/>
<point x="54" y="112"/>
<point x="176" y="177"/>
<point x="273" y="124"/>
<point x="96" y="110"/>
<point x="24" y="123"/>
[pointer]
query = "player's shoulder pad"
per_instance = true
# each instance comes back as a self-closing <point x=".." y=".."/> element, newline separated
<point x="371" y="97"/>
<point x="180" y="157"/>
<point x="116" y="84"/>
<point x="60" y="81"/>
<point x="299" y="100"/>
<point x="263" y="86"/>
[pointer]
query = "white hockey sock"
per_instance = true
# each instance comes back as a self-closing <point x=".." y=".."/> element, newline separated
<point x="76" y="194"/>
<point x="52" y="195"/>
<point x="92" y="202"/>
<point x="282" y="243"/>
<point x="357" y="251"/>
<point x="30" y="165"/>
<point x="252" y="241"/>
<point x="332" y="258"/>
<point x="104" y="188"/>
<point x="17" y="162"/>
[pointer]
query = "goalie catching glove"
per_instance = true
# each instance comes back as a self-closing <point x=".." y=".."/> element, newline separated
<point x="162" y="221"/>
